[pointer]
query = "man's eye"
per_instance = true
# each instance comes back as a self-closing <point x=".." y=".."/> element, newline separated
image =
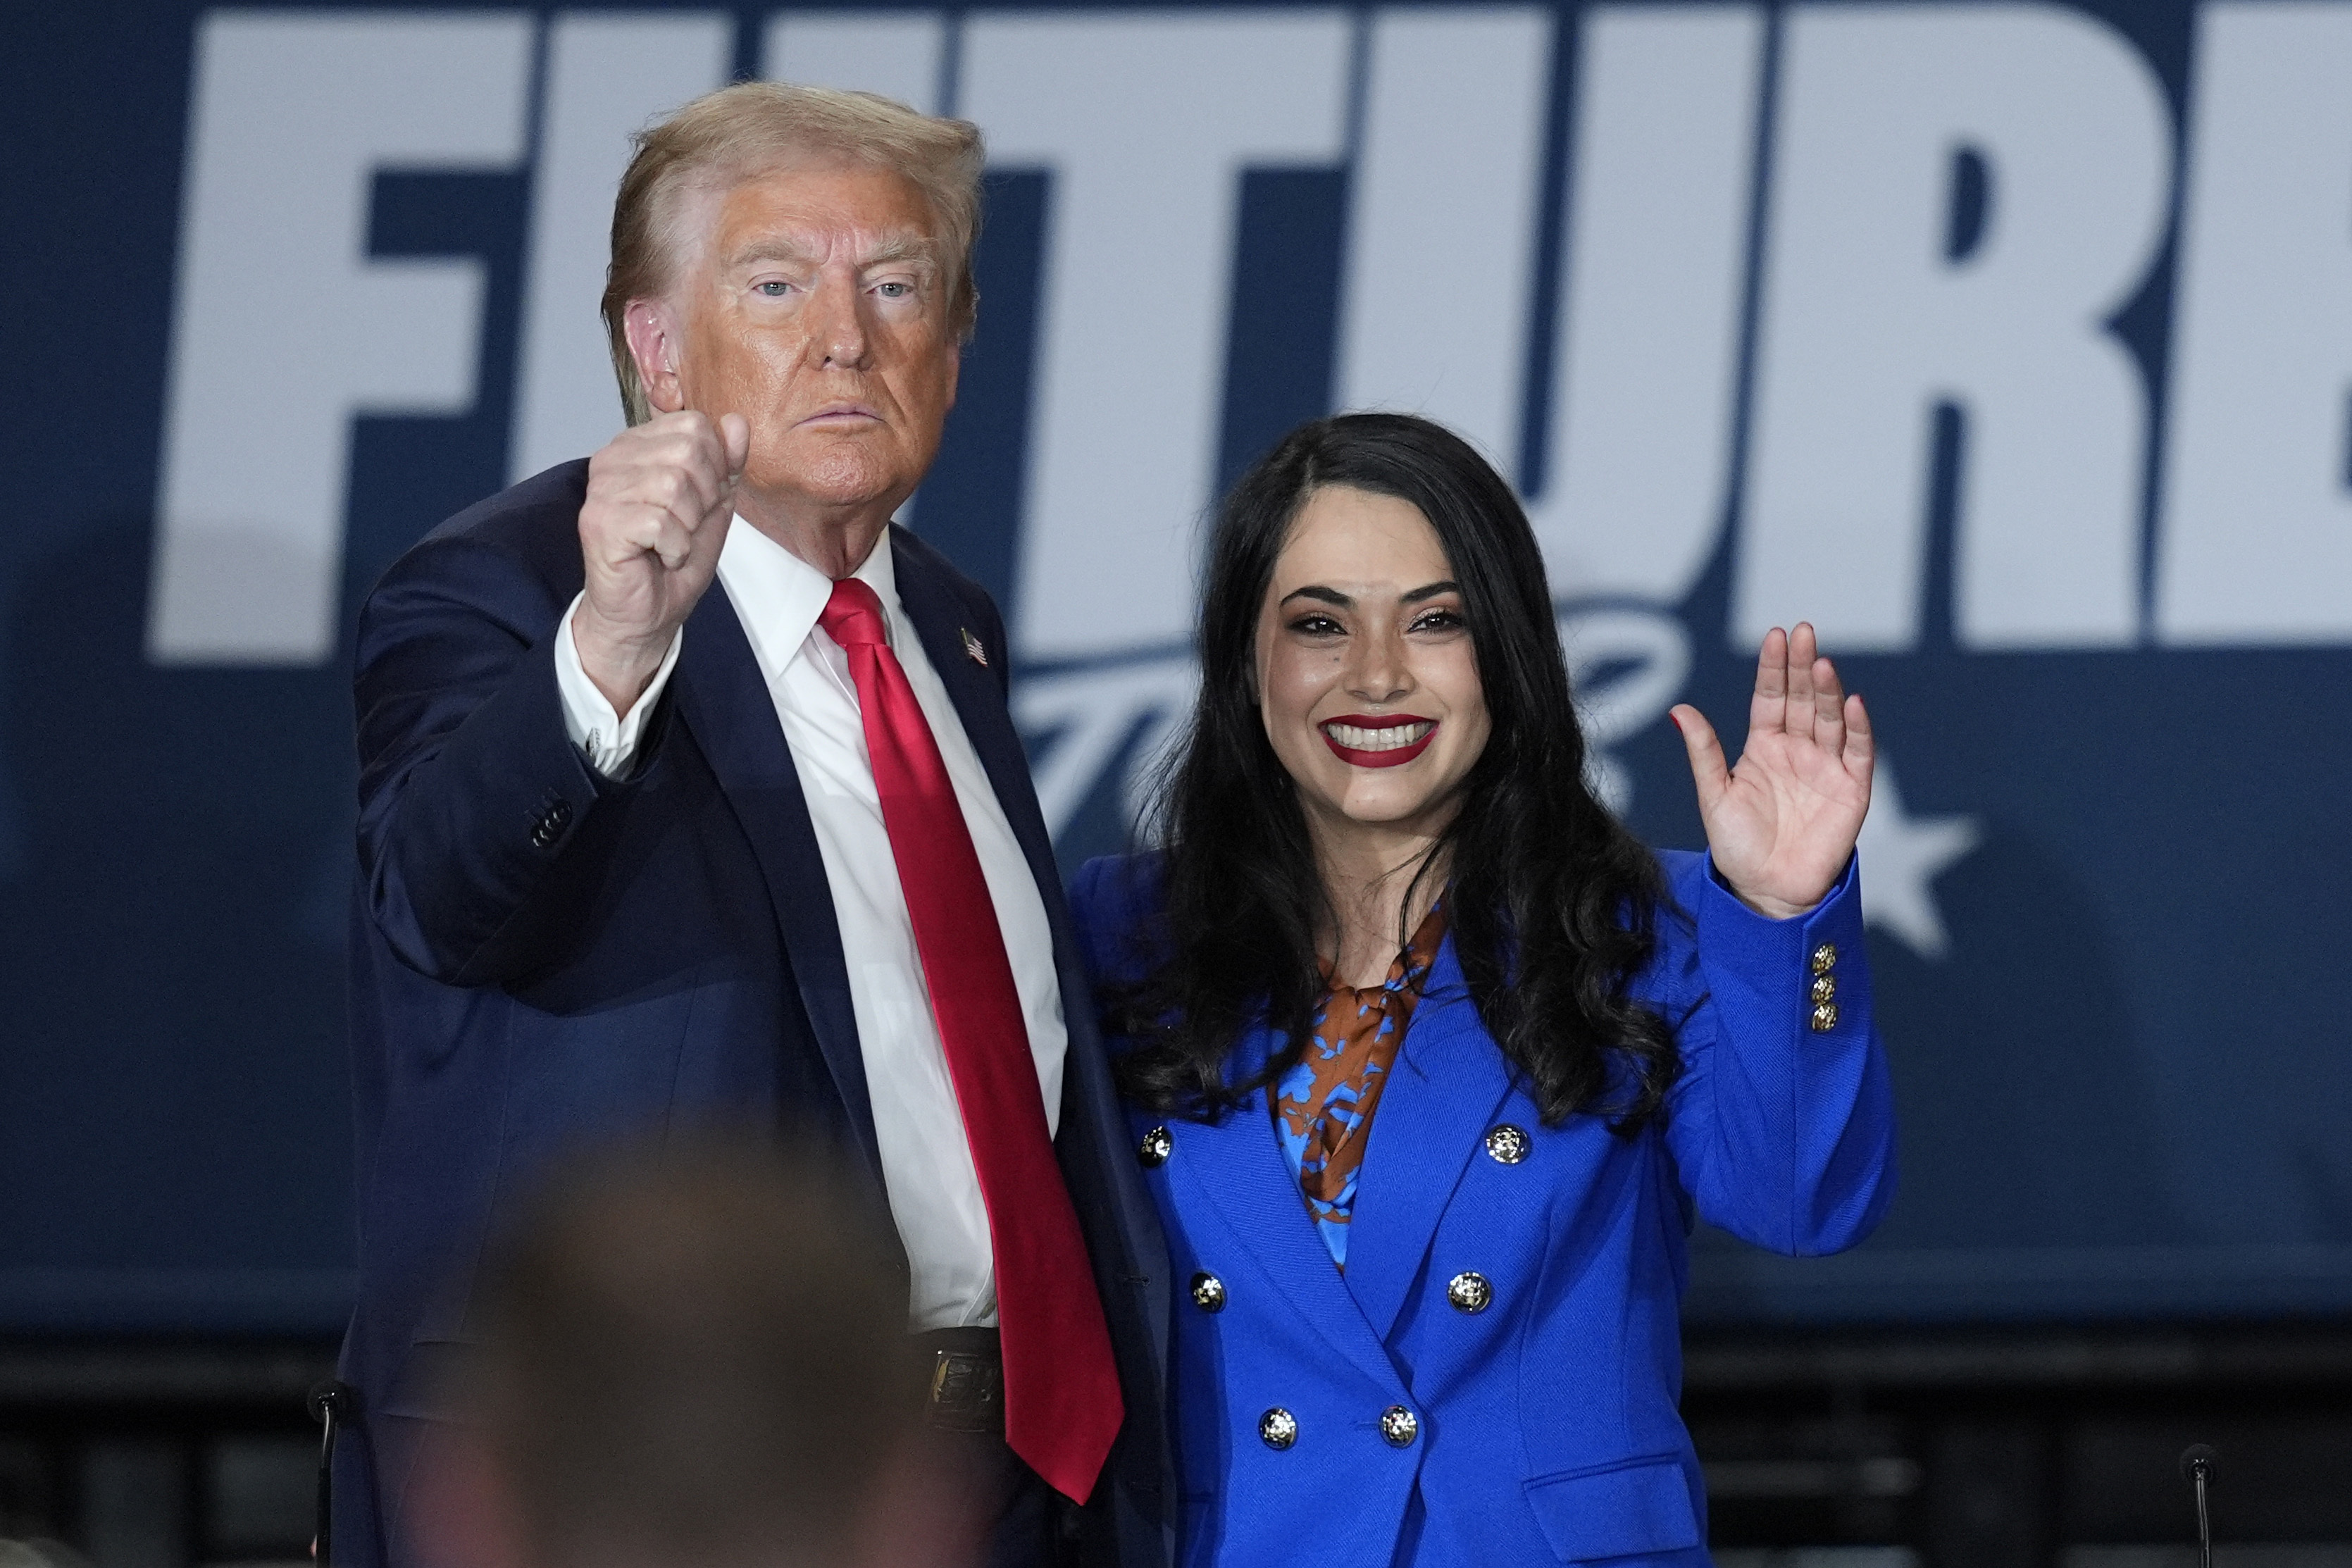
<point x="895" y="290"/>
<point x="774" y="288"/>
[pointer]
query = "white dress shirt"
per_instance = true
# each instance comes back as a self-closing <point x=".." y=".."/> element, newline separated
<point x="926" y="1163"/>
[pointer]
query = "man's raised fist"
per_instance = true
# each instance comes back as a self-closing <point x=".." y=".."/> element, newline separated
<point x="660" y="496"/>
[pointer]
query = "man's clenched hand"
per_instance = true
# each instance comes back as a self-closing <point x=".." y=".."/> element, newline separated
<point x="660" y="496"/>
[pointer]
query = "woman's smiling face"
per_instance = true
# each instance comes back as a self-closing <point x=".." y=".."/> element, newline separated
<point x="1367" y="682"/>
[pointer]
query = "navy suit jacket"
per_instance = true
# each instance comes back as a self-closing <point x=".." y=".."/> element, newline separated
<point x="541" y="956"/>
<point x="1511" y="1294"/>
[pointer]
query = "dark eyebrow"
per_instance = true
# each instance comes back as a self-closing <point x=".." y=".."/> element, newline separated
<point x="1325" y="595"/>
<point x="1333" y="596"/>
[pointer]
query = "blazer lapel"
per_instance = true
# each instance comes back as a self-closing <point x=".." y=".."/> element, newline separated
<point x="725" y="702"/>
<point x="1235" y="1166"/>
<point x="1450" y="1080"/>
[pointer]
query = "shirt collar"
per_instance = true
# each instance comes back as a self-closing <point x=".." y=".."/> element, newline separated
<point x="778" y="596"/>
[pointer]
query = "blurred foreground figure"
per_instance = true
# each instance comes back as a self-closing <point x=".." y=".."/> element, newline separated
<point x="691" y="1361"/>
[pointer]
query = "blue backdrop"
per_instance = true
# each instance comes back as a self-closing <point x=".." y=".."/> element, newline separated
<point x="2012" y="343"/>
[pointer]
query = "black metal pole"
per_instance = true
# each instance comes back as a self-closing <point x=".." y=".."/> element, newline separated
<point x="330" y="1405"/>
<point x="2204" y="1527"/>
<point x="2197" y="1464"/>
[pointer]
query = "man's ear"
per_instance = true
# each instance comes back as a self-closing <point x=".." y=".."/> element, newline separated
<point x="655" y="341"/>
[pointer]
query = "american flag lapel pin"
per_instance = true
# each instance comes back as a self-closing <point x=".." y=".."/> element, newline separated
<point x="971" y="648"/>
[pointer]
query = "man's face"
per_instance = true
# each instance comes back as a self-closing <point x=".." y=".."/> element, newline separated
<point x="816" y="307"/>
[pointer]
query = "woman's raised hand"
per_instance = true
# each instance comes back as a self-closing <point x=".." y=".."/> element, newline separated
<point x="1783" y="822"/>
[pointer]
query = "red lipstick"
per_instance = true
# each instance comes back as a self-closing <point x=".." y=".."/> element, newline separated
<point x="1385" y="756"/>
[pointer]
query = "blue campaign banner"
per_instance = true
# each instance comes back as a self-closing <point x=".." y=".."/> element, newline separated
<point x="2012" y="343"/>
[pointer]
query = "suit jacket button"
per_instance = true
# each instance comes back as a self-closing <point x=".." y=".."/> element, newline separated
<point x="1469" y="1292"/>
<point x="1399" y="1426"/>
<point x="1208" y="1292"/>
<point x="1278" y="1428"/>
<point x="1155" y="1148"/>
<point x="1825" y="957"/>
<point x="1824" y="1018"/>
<point x="1824" y="987"/>
<point x="1506" y="1144"/>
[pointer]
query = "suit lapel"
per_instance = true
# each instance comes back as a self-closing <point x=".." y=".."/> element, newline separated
<point x="1235" y="1166"/>
<point x="942" y="624"/>
<point x="1450" y="1080"/>
<point x="725" y="703"/>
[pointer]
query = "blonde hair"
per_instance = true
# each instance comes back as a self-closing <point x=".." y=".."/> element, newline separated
<point x="738" y="132"/>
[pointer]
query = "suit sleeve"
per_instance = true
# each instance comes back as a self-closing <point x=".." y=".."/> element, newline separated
<point x="1782" y="1124"/>
<point x="609" y="739"/>
<point x="470" y="788"/>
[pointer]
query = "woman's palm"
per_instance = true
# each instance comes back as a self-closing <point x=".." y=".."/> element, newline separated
<point x="1782" y="823"/>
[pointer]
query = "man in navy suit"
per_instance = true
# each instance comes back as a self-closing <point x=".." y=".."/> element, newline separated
<point x="687" y="778"/>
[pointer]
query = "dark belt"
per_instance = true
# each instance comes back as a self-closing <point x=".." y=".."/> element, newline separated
<point x="965" y="1372"/>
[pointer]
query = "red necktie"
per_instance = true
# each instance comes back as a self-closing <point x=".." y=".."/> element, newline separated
<point x="1062" y="1404"/>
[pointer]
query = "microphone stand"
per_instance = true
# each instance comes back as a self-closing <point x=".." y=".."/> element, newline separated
<point x="331" y="1407"/>
<point x="2196" y="1467"/>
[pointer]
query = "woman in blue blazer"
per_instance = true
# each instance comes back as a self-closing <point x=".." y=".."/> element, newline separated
<point x="1431" y="1065"/>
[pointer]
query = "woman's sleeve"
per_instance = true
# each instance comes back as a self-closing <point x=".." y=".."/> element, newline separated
<point x="1782" y="1123"/>
<point x="1110" y="899"/>
<point x="1088" y="915"/>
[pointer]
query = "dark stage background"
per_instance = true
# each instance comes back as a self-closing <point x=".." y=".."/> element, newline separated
<point x="2012" y="343"/>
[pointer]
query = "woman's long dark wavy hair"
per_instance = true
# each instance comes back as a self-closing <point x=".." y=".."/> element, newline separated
<point x="1551" y="903"/>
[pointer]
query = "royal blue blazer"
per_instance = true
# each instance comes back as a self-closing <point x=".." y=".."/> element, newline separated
<point x="1542" y="1425"/>
<point x="543" y="958"/>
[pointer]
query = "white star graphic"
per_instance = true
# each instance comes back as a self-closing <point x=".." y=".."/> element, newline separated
<point x="1901" y="856"/>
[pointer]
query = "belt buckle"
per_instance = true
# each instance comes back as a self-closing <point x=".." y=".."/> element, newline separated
<point x="967" y="1392"/>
